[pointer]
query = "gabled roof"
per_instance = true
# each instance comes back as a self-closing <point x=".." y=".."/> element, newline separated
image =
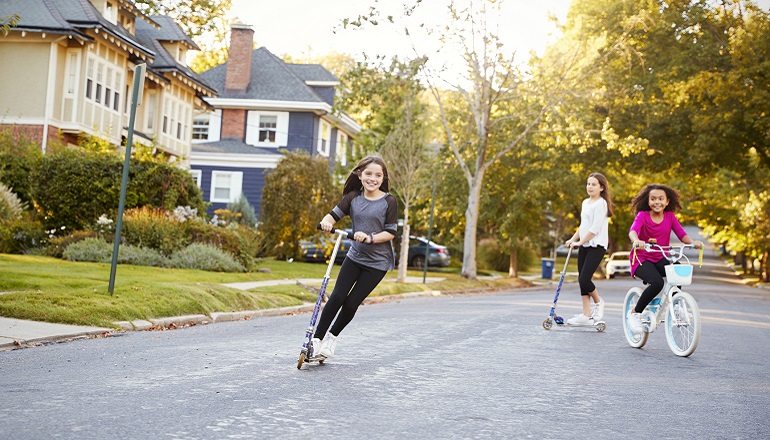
<point x="271" y="80"/>
<point x="312" y="72"/>
<point x="68" y="17"/>
<point x="152" y="36"/>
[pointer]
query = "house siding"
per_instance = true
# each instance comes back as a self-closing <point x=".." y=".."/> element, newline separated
<point x="302" y="132"/>
<point x="252" y="185"/>
<point x="24" y="97"/>
<point x="326" y="93"/>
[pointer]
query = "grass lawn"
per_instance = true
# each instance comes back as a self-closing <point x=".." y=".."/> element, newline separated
<point x="48" y="289"/>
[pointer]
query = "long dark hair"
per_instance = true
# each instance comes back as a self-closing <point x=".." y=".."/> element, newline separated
<point x="605" y="192"/>
<point x="642" y="200"/>
<point x="353" y="182"/>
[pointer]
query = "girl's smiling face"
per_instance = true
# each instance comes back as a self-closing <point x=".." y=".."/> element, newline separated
<point x="657" y="200"/>
<point x="372" y="177"/>
<point x="593" y="187"/>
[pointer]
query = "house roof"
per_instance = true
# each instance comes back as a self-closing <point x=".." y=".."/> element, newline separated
<point x="152" y="37"/>
<point x="271" y="79"/>
<point x="232" y="146"/>
<point x="68" y="17"/>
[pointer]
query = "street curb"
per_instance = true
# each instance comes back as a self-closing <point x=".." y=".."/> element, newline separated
<point x="21" y="343"/>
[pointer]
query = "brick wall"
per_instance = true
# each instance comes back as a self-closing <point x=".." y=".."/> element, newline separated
<point x="239" y="58"/>
<point x="233" y="123"/>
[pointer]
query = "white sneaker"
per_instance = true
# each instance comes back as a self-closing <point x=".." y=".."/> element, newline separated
<point x="315" y="345"/>
<point x="598" y="310"/>
<point x="634" y="321"/>
<point x="580" y="319"/>
<point x="328" y="346"/>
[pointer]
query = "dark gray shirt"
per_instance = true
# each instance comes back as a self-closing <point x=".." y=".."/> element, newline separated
<point x="371" y="217"/>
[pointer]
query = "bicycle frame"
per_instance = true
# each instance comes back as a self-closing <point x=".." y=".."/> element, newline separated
<point x="653" y="313"/>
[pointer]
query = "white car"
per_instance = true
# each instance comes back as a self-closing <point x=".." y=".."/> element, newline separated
<point x="618" y="263"/>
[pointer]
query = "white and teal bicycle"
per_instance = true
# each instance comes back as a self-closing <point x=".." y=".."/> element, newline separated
<point x="674" y="308"/>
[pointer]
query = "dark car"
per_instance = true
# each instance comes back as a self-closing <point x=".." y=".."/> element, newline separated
<point x="438" y="255"/>
<point x="319" y="250"/>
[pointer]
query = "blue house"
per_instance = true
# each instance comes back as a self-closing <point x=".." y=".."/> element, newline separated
<point x="263" y="106"/>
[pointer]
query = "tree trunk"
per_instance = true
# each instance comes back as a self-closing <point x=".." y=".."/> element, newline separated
<point x="765" y="270"/>
<point x="471" y="222"/>
<point x="403" y="256"/>
<point x="513" y="264"/>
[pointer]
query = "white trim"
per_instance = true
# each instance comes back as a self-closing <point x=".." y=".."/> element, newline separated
<point x="235" y="160"/>
<point x="234" y="190"/>
<point x="260" y="104"/>
<point x="215" y="126"/>
<point x="197" y="176"/>
<point x="281" y="128"/>
<point x="320" y="148"/>
<point x="50" y="92"/>
<point x="323" y="83"/>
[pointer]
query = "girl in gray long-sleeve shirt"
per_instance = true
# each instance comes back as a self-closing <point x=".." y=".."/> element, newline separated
<point x="374" y="213"/>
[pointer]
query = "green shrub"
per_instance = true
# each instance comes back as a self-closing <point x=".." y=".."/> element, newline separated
<point x="153" y="228"/>
<point x="244" y="211"/>
<point x="226" y="238"/>
<point x="490" y="256"/>
<point x="140" y="256"/>
<point x="205" y="257"/>
<point x="90" y="249"/>
<point x="21" y="235"/>
<point x="19" y="156"/>
<point x="56" y="245"/>
<point x="73" y="188"/>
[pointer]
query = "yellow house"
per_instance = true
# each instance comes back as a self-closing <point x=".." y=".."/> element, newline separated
<point x="67" y="70"/>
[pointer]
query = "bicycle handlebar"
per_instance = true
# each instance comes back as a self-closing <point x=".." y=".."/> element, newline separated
<point x="675" y="256"/>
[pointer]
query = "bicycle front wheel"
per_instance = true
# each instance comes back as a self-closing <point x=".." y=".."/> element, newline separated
<point x="632" y="297"/>
<point x="683" y="324"/>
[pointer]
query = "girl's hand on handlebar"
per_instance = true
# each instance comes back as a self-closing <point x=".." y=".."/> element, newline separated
<point x="325" y="226"/>
<point x="698" y="244"/>
<point x="638" y="244"/>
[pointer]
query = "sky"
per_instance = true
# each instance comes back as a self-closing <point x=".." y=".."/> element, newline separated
<point x="297" y="27"/>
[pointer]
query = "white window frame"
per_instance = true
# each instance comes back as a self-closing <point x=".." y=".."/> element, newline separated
<point x="197" y="176"/>
<point x="324" y="138"/>
<point x="152" y="106"/>
<point x="201" y="128"/>
<point x="73" y="72"/>
<point x="281" y="129"/>
<point x="235" y="188"/>
<point x="342" y="148"/>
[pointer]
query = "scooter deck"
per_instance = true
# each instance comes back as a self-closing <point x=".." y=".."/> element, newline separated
<point x="549" y="323"/>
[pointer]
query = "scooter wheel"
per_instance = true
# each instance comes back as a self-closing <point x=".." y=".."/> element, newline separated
<point x="600" y="326"/>
<point x="547" y="324"/>
<point x="301" y="360"/>
<point x="321" y="362"/>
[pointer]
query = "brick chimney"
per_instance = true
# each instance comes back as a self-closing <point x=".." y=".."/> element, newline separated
<point x="239" y="58"/>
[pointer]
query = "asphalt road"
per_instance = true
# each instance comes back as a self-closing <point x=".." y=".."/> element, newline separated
<point x="465" y="366"/>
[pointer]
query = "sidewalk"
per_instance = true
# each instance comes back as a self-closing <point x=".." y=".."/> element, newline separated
<point x="21" y="333"/>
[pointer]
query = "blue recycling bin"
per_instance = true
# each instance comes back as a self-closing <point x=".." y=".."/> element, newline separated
<point x="548" y="268"/>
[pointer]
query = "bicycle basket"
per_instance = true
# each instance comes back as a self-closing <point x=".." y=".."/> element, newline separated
<point x="679" y="274"/>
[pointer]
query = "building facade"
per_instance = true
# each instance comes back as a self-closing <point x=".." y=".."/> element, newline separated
<point x="69" y="67"/>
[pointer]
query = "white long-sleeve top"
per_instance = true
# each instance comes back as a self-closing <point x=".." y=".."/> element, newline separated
<point x="593" y="218"/>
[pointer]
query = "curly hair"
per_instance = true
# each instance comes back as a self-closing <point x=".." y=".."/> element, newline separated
<point x="353" y="182"/>
<point x="641" y="201"/>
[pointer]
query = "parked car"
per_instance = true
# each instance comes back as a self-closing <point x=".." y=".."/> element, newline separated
<point x="438" y="256"/>
<point x="319" y="250"/>
<point x="618" y="263"/>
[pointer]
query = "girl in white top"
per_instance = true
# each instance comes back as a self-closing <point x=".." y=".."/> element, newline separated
<point x="591" y="239"/>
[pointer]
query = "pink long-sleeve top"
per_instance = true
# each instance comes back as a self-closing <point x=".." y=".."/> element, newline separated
<point x="646" y="229"/>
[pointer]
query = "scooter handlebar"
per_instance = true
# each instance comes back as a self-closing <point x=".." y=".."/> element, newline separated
<point x="344" y="233"/>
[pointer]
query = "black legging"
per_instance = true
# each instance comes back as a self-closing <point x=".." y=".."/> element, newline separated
<point x="652" y="274"/>
<point x="354" y="283"/>
<point x="589" y="259"/>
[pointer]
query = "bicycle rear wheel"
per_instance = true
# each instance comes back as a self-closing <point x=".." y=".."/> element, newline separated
<point x="632" y="297"/>
<point x="683" y="324"/>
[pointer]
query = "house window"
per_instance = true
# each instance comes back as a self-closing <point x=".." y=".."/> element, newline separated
<point x="342" y="148"/>
<point x="200" y="129"/>
<point x="150" y="110"/>
<point x="90" y="79"/>
<point x="72" y="75"/>
<point x="107" y="89"/>
<point x="197" y="175"/>
<point x="116" y="97"/>
<point x="324" y="135"/>
<point x="267" y="128"/>
<point x="225" y="186"/>
<point x="99" y="79"/>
